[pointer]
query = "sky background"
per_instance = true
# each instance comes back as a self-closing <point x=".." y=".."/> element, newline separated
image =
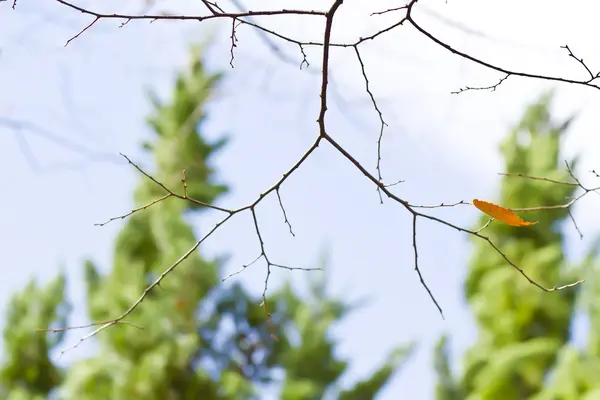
<point x="84" y="103"/>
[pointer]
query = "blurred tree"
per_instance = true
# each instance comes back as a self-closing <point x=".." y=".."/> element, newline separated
<point x="523" y="345"/>
<point x="27" y="373"/>
<point x="201" y="339"/>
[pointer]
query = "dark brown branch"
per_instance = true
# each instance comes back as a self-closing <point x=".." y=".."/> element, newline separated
<point x="580" y="61"/>
<point x="189" y="17"/>
<point x="414" y="242"/>
<point x="284" y="213"/>
<point x="492" y="66"/>
<point x="406" y="205"/>
<point x="244" y="17"/>
<point x="490" y="88"/>
<point x="234" y="40"/>
<point x="382" y="121"/>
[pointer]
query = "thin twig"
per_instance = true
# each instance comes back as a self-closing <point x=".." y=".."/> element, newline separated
<point x="416" y="252"/>
<point x="284" y="213"/>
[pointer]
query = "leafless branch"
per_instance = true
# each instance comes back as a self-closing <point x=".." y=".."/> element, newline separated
<point x="269" y="36"/>
<point x="145" y="206"/>
<point x="537" y="178"/>
<point x="489" y="221"/>
<point x="382" y="125"/>
<point x="389" y="10"/>
<point x="284" y="213"/>
<point x="490" y="88"/>
<point x="414" y="243"/>
<point x="580" y="61"/>
<point x="234" y="39"/>
<point x="462" y="202"/>
<point x="575" y="224"/>
<point x="216" y="13"/>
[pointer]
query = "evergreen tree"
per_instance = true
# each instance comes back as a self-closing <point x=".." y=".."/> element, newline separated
<point x="27" y="372"/>
<point x="201" y="339"/>
<point x="524" y="332"/>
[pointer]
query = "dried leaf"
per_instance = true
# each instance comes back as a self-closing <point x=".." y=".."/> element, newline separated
<point x="501" y="214"/>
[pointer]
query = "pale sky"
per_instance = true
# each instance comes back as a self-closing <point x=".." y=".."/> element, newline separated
<point x="91" y="96"/>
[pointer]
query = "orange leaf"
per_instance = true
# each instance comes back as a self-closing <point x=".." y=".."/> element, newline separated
<point x="501" y="214"/>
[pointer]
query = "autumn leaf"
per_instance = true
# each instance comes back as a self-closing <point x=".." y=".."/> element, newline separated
<point x="501" y="214"/>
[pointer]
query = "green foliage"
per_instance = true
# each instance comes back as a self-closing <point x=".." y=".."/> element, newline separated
<point x="368" y="388"/>
<point x="179" y="145"/>
<point x="192" y="337"/>
<point x="523" y="347"/>
<point x="27" y="372"/>
<point x="447" y="387"/>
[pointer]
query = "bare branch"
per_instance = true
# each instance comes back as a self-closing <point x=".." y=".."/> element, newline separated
<point x="88" y="27"/>
<point x="389" y="10"/>
<point x="414" y="241"/>
<point x="172" y="193"/>
<point x="490" y="88"/>
<point x="269" y="36"/>
<point x="406" y="205"/>
<point x="388" y="185"/>
<point x="575" y="225"/>
<point x="537" y="178"/>
<point x="265" y="37"/>
<point x="284" y="213"/>
<point x="234" y="39"/>
<point x="462" y="202"/>
<point x="243" y="268"/>
<point x="145" y="206"/>
<point x="190" y="17"/>
<point x="485" y="225"/>
<point x="580" y="61"/>
<point x="149" y="288"/>
<point x="487" y="64"/>
<point x="382" y="125"/>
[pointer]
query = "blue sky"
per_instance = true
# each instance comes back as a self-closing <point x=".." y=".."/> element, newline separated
<point x="91" y="97"/>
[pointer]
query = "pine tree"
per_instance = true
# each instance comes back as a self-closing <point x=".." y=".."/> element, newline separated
<point x="200" y="338"/>
<point x="523" y="332"/>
